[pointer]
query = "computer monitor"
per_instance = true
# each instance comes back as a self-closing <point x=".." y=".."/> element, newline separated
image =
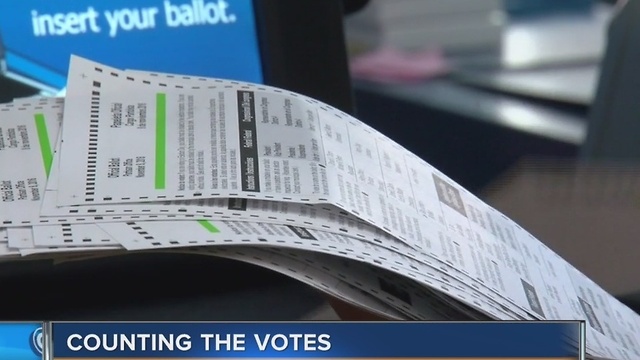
<point x="300" y="47"/>
<point x="297" y="45"/>
<point x="206" y="38"/>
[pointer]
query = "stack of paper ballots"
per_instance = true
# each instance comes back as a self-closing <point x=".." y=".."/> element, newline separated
<point x="133" y="161"/>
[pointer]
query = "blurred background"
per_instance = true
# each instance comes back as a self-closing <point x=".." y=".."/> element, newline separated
<point x="530" y="104"/>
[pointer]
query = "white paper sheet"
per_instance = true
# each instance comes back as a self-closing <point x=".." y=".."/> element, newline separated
<point x="28" y="132"/>
<point x="160" y="162"/>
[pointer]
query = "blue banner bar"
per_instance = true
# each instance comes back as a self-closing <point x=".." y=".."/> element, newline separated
<point x="315" y="340"/>
<point x="21" y="341"/>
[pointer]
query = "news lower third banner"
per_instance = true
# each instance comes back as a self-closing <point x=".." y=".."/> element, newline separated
<point x="21" y="341"/>
<point x="326" y="340"/>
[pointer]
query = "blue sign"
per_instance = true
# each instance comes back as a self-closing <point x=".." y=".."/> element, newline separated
<point x="21" y="341"/>
<point x="210" y="38"/>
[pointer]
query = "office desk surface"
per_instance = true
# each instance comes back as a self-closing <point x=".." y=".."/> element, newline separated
<point x="469" y="133"/>
<point x="558" y="122"/>
<point x="569" y="84"/>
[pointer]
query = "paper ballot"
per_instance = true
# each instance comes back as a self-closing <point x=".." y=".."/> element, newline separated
<point x="28" y="131"/>
<point x="164" y="150"/>
<point x="136" y="161"/>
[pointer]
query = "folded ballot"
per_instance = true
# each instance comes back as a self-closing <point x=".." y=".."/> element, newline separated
<point x="135" y="161"/>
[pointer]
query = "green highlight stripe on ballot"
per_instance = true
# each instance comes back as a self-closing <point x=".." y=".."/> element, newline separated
<point x="45" y="144"/>
<point x="161" y="141"/>
<point x="208" y="226"/>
